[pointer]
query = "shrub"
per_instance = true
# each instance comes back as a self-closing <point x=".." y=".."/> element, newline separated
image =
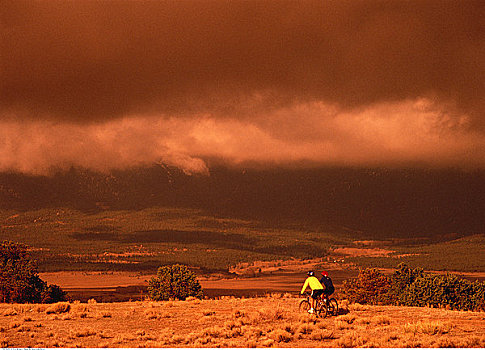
<point x="400" y="280"/>
<point x="19" y="279"/>
<point x="370" y="287"/>
<point x="444" y="291"/>
<point x="414" y="287"/>
<point x="174" y="282"/>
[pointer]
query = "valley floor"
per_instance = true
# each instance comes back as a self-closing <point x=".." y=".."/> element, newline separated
<point x="272" y="321"/>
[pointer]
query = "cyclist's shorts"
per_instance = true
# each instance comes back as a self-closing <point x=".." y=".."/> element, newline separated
<point x="329" y="292"/>
<point x="316" y="293"/>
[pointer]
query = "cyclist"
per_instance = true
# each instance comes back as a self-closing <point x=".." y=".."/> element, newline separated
<point x="326" y="281"/>
<point x="316" y="287"/>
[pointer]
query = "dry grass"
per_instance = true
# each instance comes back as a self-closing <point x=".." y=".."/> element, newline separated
<point x="10" y="312"/>
<point x="381" y="320"/>
<point x="428" y="327"/>
<point x="85" y="333"/>
<point x="349" y="318"/>
<point x="231" y="322"/>
<point x="4" y="342"/>
<point x="280" y="335"/>
<point x="207" y="312"/>
<point x="58" y="308"/>
<point x="352" y="340"/>
<point x="358" y="307"/>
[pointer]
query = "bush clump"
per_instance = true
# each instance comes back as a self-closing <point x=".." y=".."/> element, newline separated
<point x="370" y="287"/>
<point x="174" y="282"/>
<point x="19" y="278"/>
<point x="413" y="287"/>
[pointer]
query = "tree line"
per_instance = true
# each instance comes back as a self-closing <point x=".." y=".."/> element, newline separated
<point x="414" y="287"/>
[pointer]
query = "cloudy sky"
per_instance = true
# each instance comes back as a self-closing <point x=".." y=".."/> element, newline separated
<point x="115" y="84"/>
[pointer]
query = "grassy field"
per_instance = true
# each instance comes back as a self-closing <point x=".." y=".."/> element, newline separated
<point x="66" y="239"/>
<point x="462" y="254"/>
<point x="141" y="240"/>
<point x="272" y="321"/>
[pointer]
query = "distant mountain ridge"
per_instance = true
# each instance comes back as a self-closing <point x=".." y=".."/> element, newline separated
<point x="389" y="202"/>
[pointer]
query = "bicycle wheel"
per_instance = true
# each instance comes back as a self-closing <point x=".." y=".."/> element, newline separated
<point x="304" y="306"/>
<point x="321" y="309"/>
<point x="332" y="307"/>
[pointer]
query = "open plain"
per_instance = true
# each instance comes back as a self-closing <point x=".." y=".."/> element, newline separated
<point x="271" y="321"/>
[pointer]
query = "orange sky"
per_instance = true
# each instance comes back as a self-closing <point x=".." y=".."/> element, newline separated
<point x="114" y="84"/>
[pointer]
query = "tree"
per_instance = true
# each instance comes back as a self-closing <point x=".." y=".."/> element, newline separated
<point x="370" y="287"/>
<point x="19" y="279"/>
<point x="174" y="282"/>
<point x="401" y="280"/>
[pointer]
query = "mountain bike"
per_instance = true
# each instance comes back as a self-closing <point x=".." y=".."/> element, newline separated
<point x="323" y="306"/>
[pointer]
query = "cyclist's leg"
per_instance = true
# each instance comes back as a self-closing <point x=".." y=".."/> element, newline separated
<point x="316" y="294"/>
<point x="313" y="300"/>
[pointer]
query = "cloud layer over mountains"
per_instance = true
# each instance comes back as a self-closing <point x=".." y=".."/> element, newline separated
<point x="125" y="83"/>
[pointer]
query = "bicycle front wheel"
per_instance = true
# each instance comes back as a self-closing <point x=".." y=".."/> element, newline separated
<point x="304" y="306"/>
<point x="320" y="309"/>
<point x="332" y="307"/>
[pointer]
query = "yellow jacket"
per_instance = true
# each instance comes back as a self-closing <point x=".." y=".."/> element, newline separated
<point x="313" y="282"/>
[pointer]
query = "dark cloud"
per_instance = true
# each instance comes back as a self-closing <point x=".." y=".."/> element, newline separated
<point x="114" y="84"/>
<point x="93" y="60"/>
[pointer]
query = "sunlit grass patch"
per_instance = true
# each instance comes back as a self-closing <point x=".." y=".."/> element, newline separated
<point x="104" y="335"/>
<point x="290" y="327"/>
<point x="40" y="308"/>
<point x="208" y="312"/>
<point x="10" y="312"/>
<point x="306" y="328"/>
<point x="358" y="307"/>
<point x="4" y="343"/>
<point x="306" y="318"/>
<point x="85" y="333"/>
<point x="349" y="318"/>
<point x="240" y="325"/>
<point x="352" y="340"/>
<point x="14" y="325"/>
<point x="152" y="314"/>
<point x="280" y="335"/>
<point x="267" y="343"/>
<point x="272" y="314"/>
<point x="193" y="300"/>
<point x="58" y="308"/>
<point x="79" y="307"/>
<point x="214" y="331"/>
<point x="238" y="314"/>
<point x="428" y="327"/>
<point x="363" y="320"/>
<point x="322" y="334"/>
<point x="251" y="343"/>
<point x="342" y="325"/>
<point x="23" y="328"/>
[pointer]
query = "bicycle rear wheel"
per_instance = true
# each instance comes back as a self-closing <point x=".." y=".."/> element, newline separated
<point x="304" y="306"/>
<point x="332" y="307"/>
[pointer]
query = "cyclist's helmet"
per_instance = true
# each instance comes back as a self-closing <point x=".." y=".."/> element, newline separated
<point x="325" y="273"/>
<point x="310" y="273"/>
